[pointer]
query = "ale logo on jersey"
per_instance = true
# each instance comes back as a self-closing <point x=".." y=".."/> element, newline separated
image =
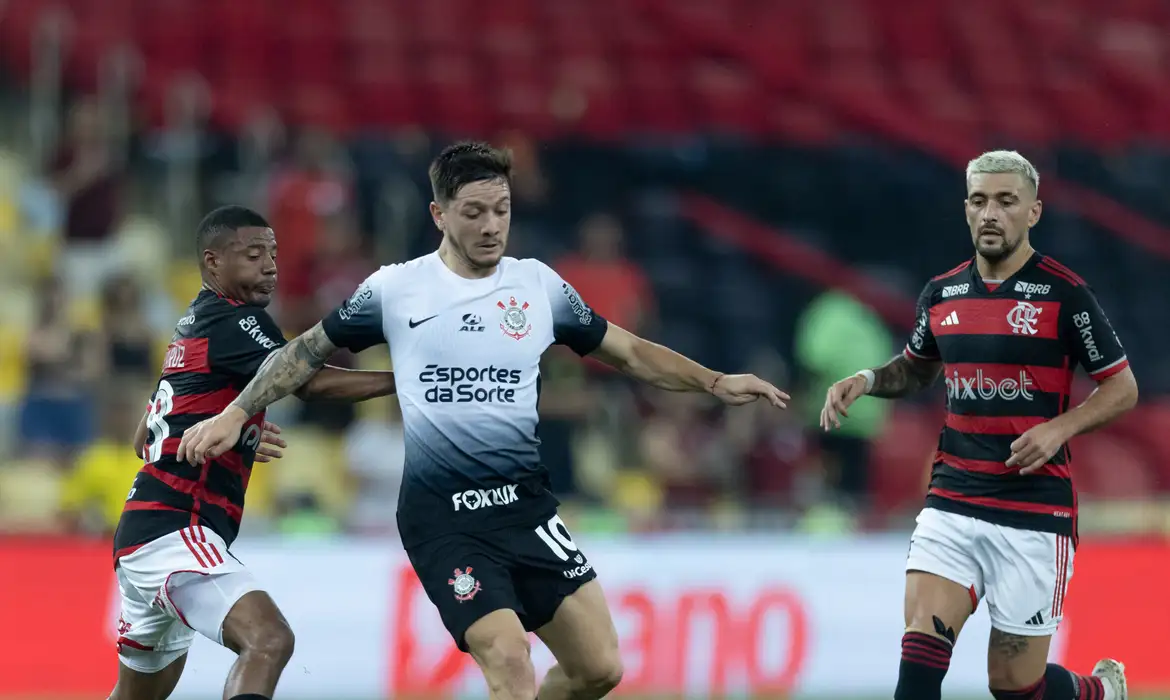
<point x="472" y="323"/>
<point x="1023" y="318"/>
<point x="515" y="322"/>
<point x="987" y="388"/>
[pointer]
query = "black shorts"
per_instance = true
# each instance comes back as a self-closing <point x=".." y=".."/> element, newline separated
<point x="528" y="569"/>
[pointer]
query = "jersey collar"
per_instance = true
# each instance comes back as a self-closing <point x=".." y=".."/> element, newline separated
<point x="977" y="279"/>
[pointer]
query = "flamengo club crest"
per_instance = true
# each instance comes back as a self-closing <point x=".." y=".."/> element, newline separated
<point x="1023" y="319"/>
<point x="464" y="584"/>
<point x="515" y="323"/>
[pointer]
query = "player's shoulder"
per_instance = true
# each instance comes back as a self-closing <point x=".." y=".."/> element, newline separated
<point x="954" y="282"/>
<point x="524" y="266"/>
<point x="402" y="272"/>
<point x="954" y="275"/>
<point x="1050" y="271"/>
<point x="206" y="313"/>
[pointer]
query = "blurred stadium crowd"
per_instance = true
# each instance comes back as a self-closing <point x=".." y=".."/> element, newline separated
<point x="773" y="210"/>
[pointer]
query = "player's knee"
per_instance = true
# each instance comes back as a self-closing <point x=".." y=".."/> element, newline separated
<point x="274" y="642"/>
<point x="603" y="675"/>
<point x="507" y="665"/>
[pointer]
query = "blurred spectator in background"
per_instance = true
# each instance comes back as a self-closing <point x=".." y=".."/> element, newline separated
<point x="300" y="515"/>
<point x="129" y="341"/>
<point x="536" y="231"/>
<point x="566" y="402"/>
<point x="322" y="282"/>
<point x="94" y="492"/>
<point x="609" y="282"/>
<point x="315" y="184"/>
<point x="375" y="456"/>
<point x="88" y="178"/>
<point x="62" y="368"/>
<point x="836" y="335"/>
<point x="770" y="445"/>
<point x="682" y="446"/>
<point x="86" y="175"/>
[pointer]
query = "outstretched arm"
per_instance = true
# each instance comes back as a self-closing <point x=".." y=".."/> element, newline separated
<point x="904" y="375"/>
<point x="652" y="363"/>
<point x="286" y="371"/>
<point x="338" y="384"/>
<point x="664" y="368"/>
<point x="901" y="376"/>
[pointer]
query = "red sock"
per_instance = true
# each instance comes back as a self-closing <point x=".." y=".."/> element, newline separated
<point x="1058" y="683"/>
<point x="925" y="660"/>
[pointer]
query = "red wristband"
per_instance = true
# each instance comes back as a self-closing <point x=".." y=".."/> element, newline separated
<point x="711" y="389"/>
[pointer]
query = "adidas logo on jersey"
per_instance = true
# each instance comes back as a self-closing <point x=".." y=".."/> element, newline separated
<point x="952" y="319"/>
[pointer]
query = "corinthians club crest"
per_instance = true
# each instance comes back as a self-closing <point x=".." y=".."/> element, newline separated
<point x="515" y="323"/>
<point x="464" y="584"/>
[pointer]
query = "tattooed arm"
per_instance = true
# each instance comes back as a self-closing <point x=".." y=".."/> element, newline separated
<point x="286" y="371"/>
<point x="904" y="375"/>
<point x="901" y="376"/>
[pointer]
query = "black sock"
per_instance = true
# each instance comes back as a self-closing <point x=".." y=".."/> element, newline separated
<point x="925" y="660"/>
<point x="1063" y="684"/>
<point x="250" y="696"/>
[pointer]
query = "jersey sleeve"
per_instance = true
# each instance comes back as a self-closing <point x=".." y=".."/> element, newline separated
<point x="244" y="341"/>
<point x="357" y="323"/>
<point x="922" y="344"/>
<point x="575" y="324"/>
<point x="1088" y="335"/>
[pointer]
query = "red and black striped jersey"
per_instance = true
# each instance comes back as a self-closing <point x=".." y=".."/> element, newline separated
<point x="1009" y="351"/>
<point x="218" y="347"/>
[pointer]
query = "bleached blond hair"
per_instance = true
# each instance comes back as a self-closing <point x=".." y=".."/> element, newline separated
<point x="995" y="162"/>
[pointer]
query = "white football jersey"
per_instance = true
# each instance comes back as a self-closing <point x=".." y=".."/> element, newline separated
<point x="466" y="356"/>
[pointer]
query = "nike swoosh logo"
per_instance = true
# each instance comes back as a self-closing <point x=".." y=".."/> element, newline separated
<point x="414" y="324"/>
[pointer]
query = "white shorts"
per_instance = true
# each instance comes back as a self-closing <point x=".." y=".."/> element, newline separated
<point x="1023" y="573"/>
<point x="173" y="587"/>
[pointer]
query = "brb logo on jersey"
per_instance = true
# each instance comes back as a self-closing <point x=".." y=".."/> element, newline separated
<point x="470" y="384"/>
<point x="1023" y="318"/>
<point x="955" y="290"/>
<point x="1029" y="289"/>
<point x="515" y="323"/>
<point x="983" y="387"/>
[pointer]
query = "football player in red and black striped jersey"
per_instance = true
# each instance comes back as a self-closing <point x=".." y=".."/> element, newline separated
<point x="172" y="552"/>
<point x="1007" y="331"/>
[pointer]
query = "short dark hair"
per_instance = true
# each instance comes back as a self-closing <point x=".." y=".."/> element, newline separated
<point x="466" y="162"/>
<point x="223" y="220"/>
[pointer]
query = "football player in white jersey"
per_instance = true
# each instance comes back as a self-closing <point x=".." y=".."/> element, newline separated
<point x="466" y="328"/>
